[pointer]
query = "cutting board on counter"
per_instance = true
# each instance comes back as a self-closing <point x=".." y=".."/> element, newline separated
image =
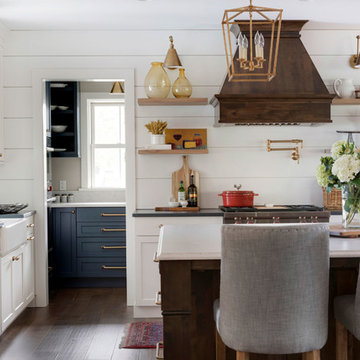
<point x="184" y="174"/>
<point x="340" y="231"/>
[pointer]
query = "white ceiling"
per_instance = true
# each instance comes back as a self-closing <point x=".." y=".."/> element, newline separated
<point x="162" y="14"/>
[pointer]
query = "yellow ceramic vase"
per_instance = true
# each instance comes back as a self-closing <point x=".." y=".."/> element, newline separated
<point x="157" y="82"/>
<point x="182" y="87"/>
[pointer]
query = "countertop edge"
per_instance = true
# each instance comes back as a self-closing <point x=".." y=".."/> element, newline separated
<point x="153" y="213"/>
<point x="87" y="204"/>
<point x="25" y="214"/>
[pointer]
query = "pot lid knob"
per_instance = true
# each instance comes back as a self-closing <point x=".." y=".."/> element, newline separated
<point x="237" y="187"/>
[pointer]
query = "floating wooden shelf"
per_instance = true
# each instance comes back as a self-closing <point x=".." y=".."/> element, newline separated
<point x="339" y="101"/>
<point x="184" y="152"/>
<point x="172" y="101"/>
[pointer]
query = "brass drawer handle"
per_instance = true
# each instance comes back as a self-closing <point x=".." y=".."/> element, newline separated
<point x="105" y="267"/>
<point x="105" y="247"/>
<point x="30" y="238"/>
<point x="15" y="258"/>
<point x="112" y="230"/>
<point x="1" y="155"/>
<point x="158" y="298"/>
<point x="157" y="352"/>
<point x="30" y="225"/>
<point x="105" y="214"/>
<point x="155" y="258"/>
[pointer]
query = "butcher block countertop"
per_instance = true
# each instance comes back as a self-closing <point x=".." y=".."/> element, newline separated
<point x="203" y="242"/>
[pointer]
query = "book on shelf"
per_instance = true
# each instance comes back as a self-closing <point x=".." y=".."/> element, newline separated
<point x="158" y="147"/>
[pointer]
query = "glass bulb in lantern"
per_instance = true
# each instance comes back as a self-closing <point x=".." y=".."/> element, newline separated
<point x="244" y="45"/>
<point x="261" y="45"/>
<point x="257" y="44"/>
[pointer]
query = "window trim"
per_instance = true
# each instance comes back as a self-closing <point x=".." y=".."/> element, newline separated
<point x="86" y="141"/>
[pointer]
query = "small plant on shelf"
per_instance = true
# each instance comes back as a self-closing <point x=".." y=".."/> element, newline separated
<point x="157" y="130"/>
<point x="156" y="127"/>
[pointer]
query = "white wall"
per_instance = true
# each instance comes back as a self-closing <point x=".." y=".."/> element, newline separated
<point x="236" y="154"/>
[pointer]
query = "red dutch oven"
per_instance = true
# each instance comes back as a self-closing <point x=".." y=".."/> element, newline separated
<point x="238" y="198"/>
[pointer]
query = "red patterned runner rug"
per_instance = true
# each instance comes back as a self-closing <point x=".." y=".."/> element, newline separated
<point x="142" y="335"/>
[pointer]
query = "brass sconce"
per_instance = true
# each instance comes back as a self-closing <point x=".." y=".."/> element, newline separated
<point x="117" y="88"/>
<point x="355" y="59"/>
<point x="295" y="155"/>
<point x="172" y="60"/>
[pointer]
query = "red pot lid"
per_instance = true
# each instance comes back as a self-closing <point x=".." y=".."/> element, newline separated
<point x="237" y="192"/>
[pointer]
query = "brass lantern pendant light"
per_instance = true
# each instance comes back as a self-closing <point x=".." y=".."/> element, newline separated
<point x="256" y="44"/>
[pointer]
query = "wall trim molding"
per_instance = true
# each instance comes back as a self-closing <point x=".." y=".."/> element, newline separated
<point x="39" y="76"/>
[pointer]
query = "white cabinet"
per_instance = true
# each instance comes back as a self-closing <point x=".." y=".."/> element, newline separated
<point x="17" y="278"/>
<point x="147" y="231"/>
<point x="148" y="270"/>
<point x="28" y="270"/>
<point x="6" y="290"/>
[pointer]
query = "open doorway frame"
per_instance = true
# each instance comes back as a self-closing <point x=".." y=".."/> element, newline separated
<point x="39" y="77"/>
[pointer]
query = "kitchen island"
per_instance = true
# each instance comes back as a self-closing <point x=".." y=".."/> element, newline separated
<point x="189" y="259"/>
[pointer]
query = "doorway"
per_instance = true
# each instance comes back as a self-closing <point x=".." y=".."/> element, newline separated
<point x="92" y="77"/>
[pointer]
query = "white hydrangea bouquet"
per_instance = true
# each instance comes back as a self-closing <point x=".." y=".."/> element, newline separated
<point x="342" y="171"/>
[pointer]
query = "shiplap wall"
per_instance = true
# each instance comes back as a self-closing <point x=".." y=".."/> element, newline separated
<point x="236" y="154"/>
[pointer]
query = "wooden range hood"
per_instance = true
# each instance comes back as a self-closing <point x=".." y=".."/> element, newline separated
<point x="296" y="95"/>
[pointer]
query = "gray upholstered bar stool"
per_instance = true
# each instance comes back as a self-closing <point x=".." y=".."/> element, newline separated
<point x="273" y="289"/>
<point x="347" y="315"/>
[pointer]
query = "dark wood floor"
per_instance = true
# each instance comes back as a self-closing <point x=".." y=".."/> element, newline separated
<point x="78" y="324"/>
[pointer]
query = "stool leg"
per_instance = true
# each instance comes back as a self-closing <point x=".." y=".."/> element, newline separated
<point x="341" y="342"/>
<point x="220" y="347"/>
<point x="311" y="355"/>
<point x="242" y="355"/>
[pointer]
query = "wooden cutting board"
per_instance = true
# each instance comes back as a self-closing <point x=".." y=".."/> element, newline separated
<point x="184" y="174"/>
<point x="339" y="231"/>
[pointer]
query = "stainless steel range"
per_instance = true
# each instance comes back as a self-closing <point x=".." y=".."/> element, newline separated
<point x="275" y="214"/>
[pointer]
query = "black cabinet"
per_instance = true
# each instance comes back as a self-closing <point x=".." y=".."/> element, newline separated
<point x="64" y="236"/>
<point x="62" y="101"/>
<point x="90" y="246"/>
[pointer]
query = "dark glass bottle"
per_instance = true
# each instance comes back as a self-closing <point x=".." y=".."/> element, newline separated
<point x="192" y="193"/>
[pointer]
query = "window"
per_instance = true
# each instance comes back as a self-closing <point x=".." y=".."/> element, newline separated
<point x="107" y="144"/>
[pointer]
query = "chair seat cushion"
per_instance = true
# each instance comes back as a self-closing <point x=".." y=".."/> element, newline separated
<point x="344" y="308"/>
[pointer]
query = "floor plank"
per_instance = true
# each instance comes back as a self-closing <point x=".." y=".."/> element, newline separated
<point x="78" y="324"/>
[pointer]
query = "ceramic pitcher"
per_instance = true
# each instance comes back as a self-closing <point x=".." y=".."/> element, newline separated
<point x="344" y="88"/>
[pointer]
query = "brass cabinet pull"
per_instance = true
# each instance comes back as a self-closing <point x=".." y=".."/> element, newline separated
<point x="155" y="259"/>
<point x="30" y="225"/>
<point x="158" y="298"/>
<point x="30" y="238"/>
<point x="15" y="258"/>
<point x="50" y="268"/>
<point x="0" y="155"/>
<point x="105" y="214"/>
<point x="105" y="267"/>
<point x="112" y="230"/>
<point x="157" y="352"/>
<point x="160" y="226"/>
<point x="112" y="247"/>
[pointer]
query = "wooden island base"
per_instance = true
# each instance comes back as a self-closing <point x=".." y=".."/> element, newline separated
<point x="189" y="288"/>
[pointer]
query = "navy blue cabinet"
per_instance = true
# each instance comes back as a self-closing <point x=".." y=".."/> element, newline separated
<point x="62" y="101"/>
<point x="91" y="245"/>
<point x="64" y="236"/>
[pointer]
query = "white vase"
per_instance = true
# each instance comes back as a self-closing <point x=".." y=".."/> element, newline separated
<point x="344" y="88"/>
<point x="156" y="139"/>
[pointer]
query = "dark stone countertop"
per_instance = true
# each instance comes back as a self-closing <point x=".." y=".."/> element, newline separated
<point x="153" y="213"/>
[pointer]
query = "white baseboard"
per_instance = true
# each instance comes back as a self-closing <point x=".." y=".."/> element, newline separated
<point x="147" y="312"/>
